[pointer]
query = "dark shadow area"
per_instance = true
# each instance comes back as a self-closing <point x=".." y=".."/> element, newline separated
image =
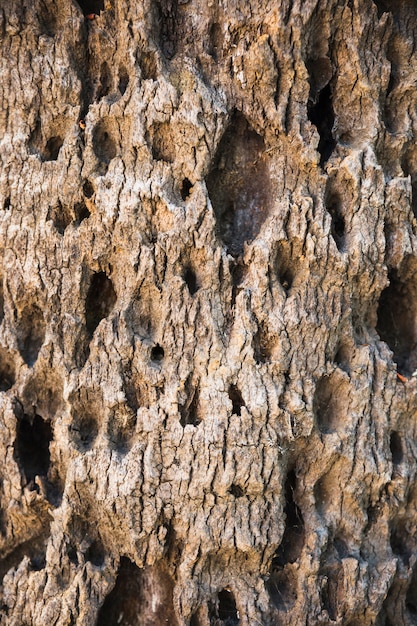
<point x="236" y="397"/>
<point x="61" y="217"/>
<point x="123" y="605"/>
<point x="161" y="140"/>
<point x="100" y="301"/>
<point x="328" y="404"/>
<point x="321" y="114"/>
<point x="96" y="553"/>
<point x="239" y="185"/>
<point x="330" y="593"/>
<point x="30" y="333"/>
<point x="263" y="345"/>
<point x="148" y="64"/>
<point x="215" y="41"/>
<point x="293" y="538"/>
<point x="189" y="411"/>
<point x="282" y="590"/>
<point x="106" y="81"/>
<point x="166" y="24"/>
<point x="88" y="189"/>
<point x="52" y="148"/>
<point x="223" y="611"/>
<point x="334" y="206"/>
<point x="91" y="6"/>
<point x="34" y="548"/>
<point x="396" y="448"/>
<point x="190" y="280"/>
<point x="123" y="80"/>
<point x="157" y="354"/>
<point x="33" y="436"/>
<point x="411" y="597"/>
<point x="104" y="145"/>
<point x="236" y="491"/>
<point x="84" y="427"/>
<point x="81" y="212"/>
<point x="285" y="264"/>
<point x="397" y="312"/>
<point x="186" y="189"/>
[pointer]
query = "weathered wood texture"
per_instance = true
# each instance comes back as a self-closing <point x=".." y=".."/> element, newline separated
<point x="209" y="284"/>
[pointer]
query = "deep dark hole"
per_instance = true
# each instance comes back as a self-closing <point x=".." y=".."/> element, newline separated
<point x="123" y="79"/>
<point x="215" y="41"/>
<point x="33" y="436"/>
<point x="325" y="405"/>
<point x="396" y="321"/>
<point x="95" y="554"/>
<point x="157" y="353"/>
<point x="341" y="547"/>
<point x="91" y="6"/>
<point x="293" y="538"/>
<point x="227" y="610"/>
<point x="6" y="205"/>
<point x="52" y="148"/>
<point x="38" y="562"/>
<point x="286" y="279"/>
<point x="399" y="545"/>
<point x="281" y="590"/>
<point x="321" y="115"/>
<point x="60" y="216"/>
<point x="186" y="189"/>
<point x="328" y="597"/>
<point x="100" y="301"/>
<point x="88" y="189"/>
<point x="236" y="398"/>
<point x="72" y="554"/>
<point x="396" y="448"/>
<point x="189" y="412"/>
<point x="236" y="491"/>
<point x="123" y="605"/>
<point x="81" y="212"/>
<point x="334" y="207"/>
<point x="191" y="281"/>
<point x="194" y="621"/>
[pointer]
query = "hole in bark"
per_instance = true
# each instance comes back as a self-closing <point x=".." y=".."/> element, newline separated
<point x="396" y="448"/>
<point x="236" y="398"/>
<point x="123" y="79"/>
<point x="186" y="189"/>
<point x="321" y="114"/>
<point x="226" y="610"/>
<point x="284" y="265"/>
<point x="166" y="22"/>
<point x="399" y="544"/>
<point x="191" y="280"/>
<point x="91" y="6"/>
<point x="123" y="605"/>
<point x="397" y="311"/>
<point x="84" y="428"/>
<point x="104" y="145"/>
<point x="30" y="333"/>
<point x="195" y="620"/>
<point x="38" y="561"/>
<point x="6" y="204"/>
<point x="281" y="587"/>
<point x="88" y="189"/>
<point x="72" y="554"/>
<point x="52" y="148"/>
<point x="236" y="491"/>
<point x="157" y="353"/>
<point x="189" y="411"/>
<point x="292" y="542"/>
<point x="105" y="81"/>
<point x="96" y="553"/>
<point x="263" y="345"/>
<point x="162" y="142"/>
<point x="334" y="206"/>
<point x="239" y="185"/>
<point x="148" y="65"/>
<point x="33" y="436"/>
<point x="215" y="41"/>
<point x="100" y="301"/>
<point x="81" y="212"/>
<point x="342" y="357"/>
<point x="329" y="591"/>
<point x="61" y="217"/>
<point x="328" y="404"/>
<point x="7" y="370"/>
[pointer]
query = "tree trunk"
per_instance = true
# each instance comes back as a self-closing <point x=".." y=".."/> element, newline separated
<point x="208" y="312"/>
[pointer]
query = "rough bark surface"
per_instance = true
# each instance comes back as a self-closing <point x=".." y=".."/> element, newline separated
<point x="208" y="312"/>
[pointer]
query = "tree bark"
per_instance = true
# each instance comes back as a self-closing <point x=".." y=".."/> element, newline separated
<point x="208" y="312"/>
